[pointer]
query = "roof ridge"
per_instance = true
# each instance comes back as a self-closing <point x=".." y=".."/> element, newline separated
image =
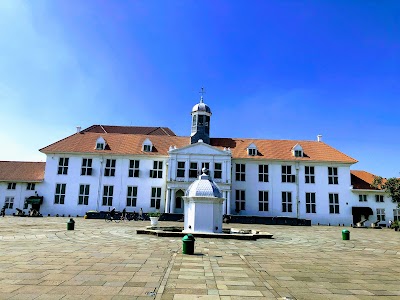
<point x="101" y="126"/>
<point x="162" y="128"/>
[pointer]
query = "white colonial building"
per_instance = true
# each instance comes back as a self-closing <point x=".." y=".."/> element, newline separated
<point x="150" y="168"/>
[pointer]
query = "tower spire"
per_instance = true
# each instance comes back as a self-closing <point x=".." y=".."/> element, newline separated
<point x="202" y="92"/>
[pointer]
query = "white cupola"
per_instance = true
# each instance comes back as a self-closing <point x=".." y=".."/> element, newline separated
<point x="201" y="114"/>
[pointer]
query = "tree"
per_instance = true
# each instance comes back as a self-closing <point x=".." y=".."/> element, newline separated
<point x="391" y="186"/>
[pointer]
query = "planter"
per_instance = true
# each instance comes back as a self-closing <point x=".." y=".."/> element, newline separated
<point x="153" y="221"/>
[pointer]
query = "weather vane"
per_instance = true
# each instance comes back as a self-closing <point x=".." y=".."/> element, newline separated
<point x="202" y="92"/>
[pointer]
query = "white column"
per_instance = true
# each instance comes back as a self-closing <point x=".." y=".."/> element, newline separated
<point x="167" y="201"/>
<point x="224" y="203"/>
<point x="228" y="199"/>
<point x="173" y="200"/>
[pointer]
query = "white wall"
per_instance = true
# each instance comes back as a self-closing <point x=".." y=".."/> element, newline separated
<point x="388" y="205"/>
<point x="96" y="181"/>
<point x="275" y="187"/>
<point x="20" y="194"/>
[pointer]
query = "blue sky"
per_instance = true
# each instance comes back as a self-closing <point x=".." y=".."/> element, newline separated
<point x="271" y="69"/>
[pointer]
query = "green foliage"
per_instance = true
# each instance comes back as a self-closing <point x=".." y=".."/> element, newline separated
<point x="154" y="214"/>
<point x="395" y="224"/>
<point x="390" y="186"/>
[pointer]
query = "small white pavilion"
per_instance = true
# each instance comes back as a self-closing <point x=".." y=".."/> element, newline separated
<point x="203" y="206"/>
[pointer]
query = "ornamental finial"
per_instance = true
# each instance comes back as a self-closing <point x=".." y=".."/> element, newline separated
<point x="202" y="92"/>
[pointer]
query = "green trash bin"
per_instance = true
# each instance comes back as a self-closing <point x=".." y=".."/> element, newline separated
<point x="188" y="244"/>
<point x="70" y="224"/>
<point x="345" y="235"/>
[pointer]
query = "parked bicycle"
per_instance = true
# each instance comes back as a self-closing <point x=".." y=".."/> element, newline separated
<point x="110" y="218"/>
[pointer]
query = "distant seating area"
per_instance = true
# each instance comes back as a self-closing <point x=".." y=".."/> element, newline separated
<point x="376" y="225"/>
<point x="361" y="223"/>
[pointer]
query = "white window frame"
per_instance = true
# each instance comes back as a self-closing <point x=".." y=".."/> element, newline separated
<point x="240" y="172"/>
<point x="333" y="175"/>
<point x="263" y="201"/>
<point x="109" y="169"/>
<point x="287" y="175"/>
<point x="60" y="192"/>
<point x="11" y="186"/>
<point x="192" y="170"/>
<point x="334" y="207"/>
<point x="108" y="194"/>
<point x="380" y="215"/>
<point x="217" y="170"/>
<point x="155" y="200"/>
<point x="362" y="198"/>
<point x="86" y="168"/>
<point x="100" y="146"/>
<point x="157" y="171"/>
<point x="9" y="202"/>
<point x="379" y="198"/>
<point x="309" y="174"/>
<point x="396" y="214"/>
<point x="134" y="166"/>
<point x="252" y="151"/>
<point x="311" y="207"/>
<point x="287" y="204"/>
<point x="240" y="200"/>
<point x="263" y="173"/>
<point x="63" y="166"/>
<point x="84" y="191"/>
<point x="298" y="153"/>
<point x="131" y="196"/>
<point x="180" y="169"/>
<point x="30" y="186"/>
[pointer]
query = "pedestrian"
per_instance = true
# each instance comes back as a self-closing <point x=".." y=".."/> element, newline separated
<point x="3" y="211"/>
<point x="141" y="214"/>
<point x="123" y="214"/>
<point x="390" y="224"/>
<point x="112" y="213"/>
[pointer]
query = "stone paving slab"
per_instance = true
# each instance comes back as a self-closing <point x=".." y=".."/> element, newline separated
<point x="40" y="259"/>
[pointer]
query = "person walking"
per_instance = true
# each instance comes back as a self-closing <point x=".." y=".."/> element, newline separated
<point x="112" y="213"/>
<point x="3" y="211"/>
<point x="390" y="224"/>
<point x="141" y="214"/>
<point x="123" y="217"/>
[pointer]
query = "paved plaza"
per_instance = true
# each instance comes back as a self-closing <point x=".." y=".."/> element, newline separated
<point x="40" y="259"/>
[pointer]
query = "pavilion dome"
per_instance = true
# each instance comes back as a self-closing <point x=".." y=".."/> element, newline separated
<point x="201" y="107"/>
<point x="204" y="187"/>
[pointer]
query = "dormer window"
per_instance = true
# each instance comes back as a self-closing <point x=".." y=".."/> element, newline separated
<point x="252" y="150"/>
<point x="297" y="151"/>
<point x="147" y="145"/>
<point x="100" y="144"/>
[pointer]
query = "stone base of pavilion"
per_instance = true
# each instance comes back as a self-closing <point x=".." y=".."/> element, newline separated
<point x="228" y="233"/>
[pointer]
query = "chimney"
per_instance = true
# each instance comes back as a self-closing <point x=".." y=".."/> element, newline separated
<point x="78" y="128"/>
<point x="319" y="137"/>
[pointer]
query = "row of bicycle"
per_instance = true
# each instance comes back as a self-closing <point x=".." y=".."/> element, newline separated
<point x="109" y="217"/>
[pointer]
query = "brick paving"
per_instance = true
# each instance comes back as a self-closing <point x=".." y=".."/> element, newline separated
<point x="40" y="259"/>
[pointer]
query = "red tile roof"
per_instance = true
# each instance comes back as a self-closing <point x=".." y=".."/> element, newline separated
<point x="131" y="144"/>
<point x="21" y="171"/>
<point x="282" y="150"/>
<point x="130" y="130"/>
<point x="362" y="180"/>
